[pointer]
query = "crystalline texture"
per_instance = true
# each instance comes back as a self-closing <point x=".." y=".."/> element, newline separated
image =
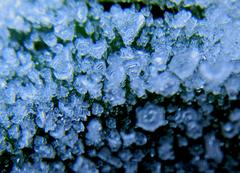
<point x="186" y="116"/>
<point x="159" y="61"/>
<point x="64" y="32"/>
<point x="128" y="138"/>
<point x="165" y="149"/>
<point x="43" y="149"/>
<point x="84" y="165"/>
<point x="215" y="72"/>
<point x="232" y="86"/>
<point x="130" y="26"/>
<point x="94" y="132"/>
<point x="194" y="130"/>
<point x="105" y="155"/>
<point x="97" y="109"/>
<point x="62" y="65"/>
<point x="84" y="84"/>
<point x="164" y="83"/>
<point x="213" y="149"/>
<point x="67" y="64"/>
<point x="114" y="140"/>
<point x="150" y="117"/>
<point x="50" y="39"/>
<point x="82" y="12"/>
<point x="180" y="19"/>
<point x="87" y="47"/>
<point x="184" y="64"/>
<point x="235" y="115"/>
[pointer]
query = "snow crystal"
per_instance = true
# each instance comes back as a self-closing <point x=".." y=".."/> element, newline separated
<point x="58" y="131"/>
<point x="49" y="39"/>
<point x="194" y="130"/>
<point x="164" y="83"/>
<point x="232" y="86"/>
<point x="82" y="13"/>
<point x="89" y="28"/>
<point x="125" y="155"/>
<point x="215" y="72"/>
<point x="130" y="27"/>
<point x="63" y="68"/>
<point x="141" y="139"/>
<point x="235" y="115"/>
<point x="41" y="147"/>
<point x="180" y="19"/>
<point x="213" y="149"/>
<point x="150" y="117"/>
<point x="159" y="61"/>
<point x="84" y="165"/>
<point x="93" y="135"/>
<point x="128" y="138"/>
<point x="131" y="167"/>
<point x="105" y="22"/>
<point x="165" y="150"/>
<point x="14" y="131"/>
<point x="105" y="155"/>
<point x="184" y="64"/>
<point x="114" y="95"/>
<point x="64" y="32"/>
<point x="114" y="140"/>
<point x="186" y="116"/>
<point x="229" y="130"/>
<point x="97" y="109"/>
<point x="84" y="86"/>
<point x="87" y="47"/>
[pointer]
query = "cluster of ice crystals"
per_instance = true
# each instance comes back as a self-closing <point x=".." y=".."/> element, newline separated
<point x="215" y="72"/>
<point x="93" y="135"/>
<point x="82" y="12"/>
<point x="179" y="20"/>
<point x="184" y="64"/>
<point x="165" y="83"/>
<point x="84" y="165"/>
<point x="63" y="69"/>
<point x="114" y="140"/>
<point x="106" y="156"/>
<point x="131" y="26"/>
<point x="85" y="87"/>
<point x="87" y="47"/>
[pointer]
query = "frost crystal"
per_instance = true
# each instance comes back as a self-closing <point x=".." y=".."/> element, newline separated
<point x="94" y="132"/>
<point x="130" y="27"/>
<point x="63" y="69"/>
<point x="83" y="164"/>
<point x="213" y="148"/>
<point x="87" y="47"/>
<point x="93" y="86"/>
<point x="114" y="140"/>
<point x="150" y="117"/>
<point x="215" y="72"/>
<point x="164" y="83"/>
<point x="105" y="155"/>
<point x="82" y="13"/>
<point x="97" y="109"/>
<point x="184" y="64"/>
<point x="165" y="150"/>
<point x="180" y="19"/>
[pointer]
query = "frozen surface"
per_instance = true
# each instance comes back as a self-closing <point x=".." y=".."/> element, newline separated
<point x="91" y="86"/>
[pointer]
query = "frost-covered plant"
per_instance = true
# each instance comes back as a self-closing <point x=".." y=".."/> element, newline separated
<point x="89" y="86"/>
